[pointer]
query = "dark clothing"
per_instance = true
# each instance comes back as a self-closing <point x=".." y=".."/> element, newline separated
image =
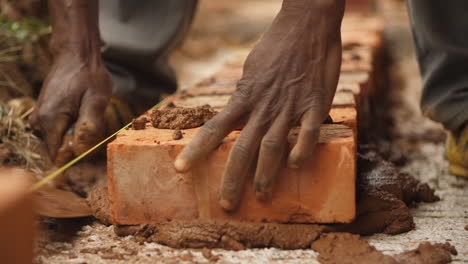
<point x="440" y="30"/>
<point x="138" y="36"/>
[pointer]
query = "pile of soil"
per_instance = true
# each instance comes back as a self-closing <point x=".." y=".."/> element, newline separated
<point x="344" y="248"/>
<point x="181" y="118"/>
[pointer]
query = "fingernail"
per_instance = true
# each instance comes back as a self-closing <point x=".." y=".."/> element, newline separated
<point x="293" y="165"/>
<point x="181" y="165"/>
<point x="293" y="161"/>
<point x="226" y="205"/>
<point x="263" y="196"/>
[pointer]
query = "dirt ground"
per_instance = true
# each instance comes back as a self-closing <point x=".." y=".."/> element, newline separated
<point x="419" y="140"/>
<point x="422" y="142"/>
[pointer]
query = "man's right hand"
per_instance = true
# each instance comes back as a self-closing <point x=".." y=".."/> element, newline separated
<point x="76" y="91"/>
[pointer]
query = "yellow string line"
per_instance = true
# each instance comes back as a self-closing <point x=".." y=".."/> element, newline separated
<point x="59" y="171"/>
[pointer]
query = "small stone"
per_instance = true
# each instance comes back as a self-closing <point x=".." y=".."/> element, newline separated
<point x="177" y="135"/>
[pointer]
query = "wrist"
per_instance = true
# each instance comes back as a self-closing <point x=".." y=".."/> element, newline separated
<point x="301" y="6"/>
<point x="82" y="50"/>
<point x="77" y="55"/>
<point x="75" y="28"/>
<point x="310" y="17"/>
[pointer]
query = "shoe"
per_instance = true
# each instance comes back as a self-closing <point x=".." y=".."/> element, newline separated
<point x="457" y="153"/>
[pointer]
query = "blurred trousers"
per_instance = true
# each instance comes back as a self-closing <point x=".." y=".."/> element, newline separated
<point x="440" y="30"/>
<point x="138" y="36"/>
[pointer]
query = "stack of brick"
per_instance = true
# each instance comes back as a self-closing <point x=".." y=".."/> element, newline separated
<point x="144" y="186"/>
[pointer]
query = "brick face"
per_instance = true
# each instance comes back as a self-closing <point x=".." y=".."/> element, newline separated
<point x="144" y="187"/>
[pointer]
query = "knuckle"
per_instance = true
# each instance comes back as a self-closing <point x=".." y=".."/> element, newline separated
<point x="210" y="128"/>
<point x="240" y="150"/>
<point x="44" y="115"/>
<point x="230" y="186"/>
<point x="263" y="183"/>
<point x="271" y="145"/>
<point x="243" y="90"/>
<point x="97" y="103"/>
<point x="102" y="99"/>
<point x="33" y="120"/>
<point x="301" y="155"/>
<point x="311" y="131"/>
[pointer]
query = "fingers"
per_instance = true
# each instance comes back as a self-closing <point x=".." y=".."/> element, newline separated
<point x="308" y="137"/>
<point x="34" y="120"/>
<point x="209" y="137"/>
<point x="240" y="159"/>
<point x="272" y="156"/>
<point x="90" y="126"/>
<point x="53" y="127"/>
<point x="65" y="152"/>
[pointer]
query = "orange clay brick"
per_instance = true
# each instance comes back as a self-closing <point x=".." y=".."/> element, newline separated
<point x="16" y="217"/>
<point x="144" y="186"/>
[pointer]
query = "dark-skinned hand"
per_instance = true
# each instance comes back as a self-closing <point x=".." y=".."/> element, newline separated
<point x="75" y="90"/>
<point x="289" y="78"/>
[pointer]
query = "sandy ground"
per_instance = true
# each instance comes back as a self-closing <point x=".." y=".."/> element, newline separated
<point x="220" y="31"/>
<point x="445" y="220"/>
<point x="438" y="222"/>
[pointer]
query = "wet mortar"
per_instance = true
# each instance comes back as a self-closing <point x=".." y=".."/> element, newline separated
<point x="181" y="118"/>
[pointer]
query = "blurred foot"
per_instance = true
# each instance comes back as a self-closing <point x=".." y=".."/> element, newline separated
<point x="457" y="153"/>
